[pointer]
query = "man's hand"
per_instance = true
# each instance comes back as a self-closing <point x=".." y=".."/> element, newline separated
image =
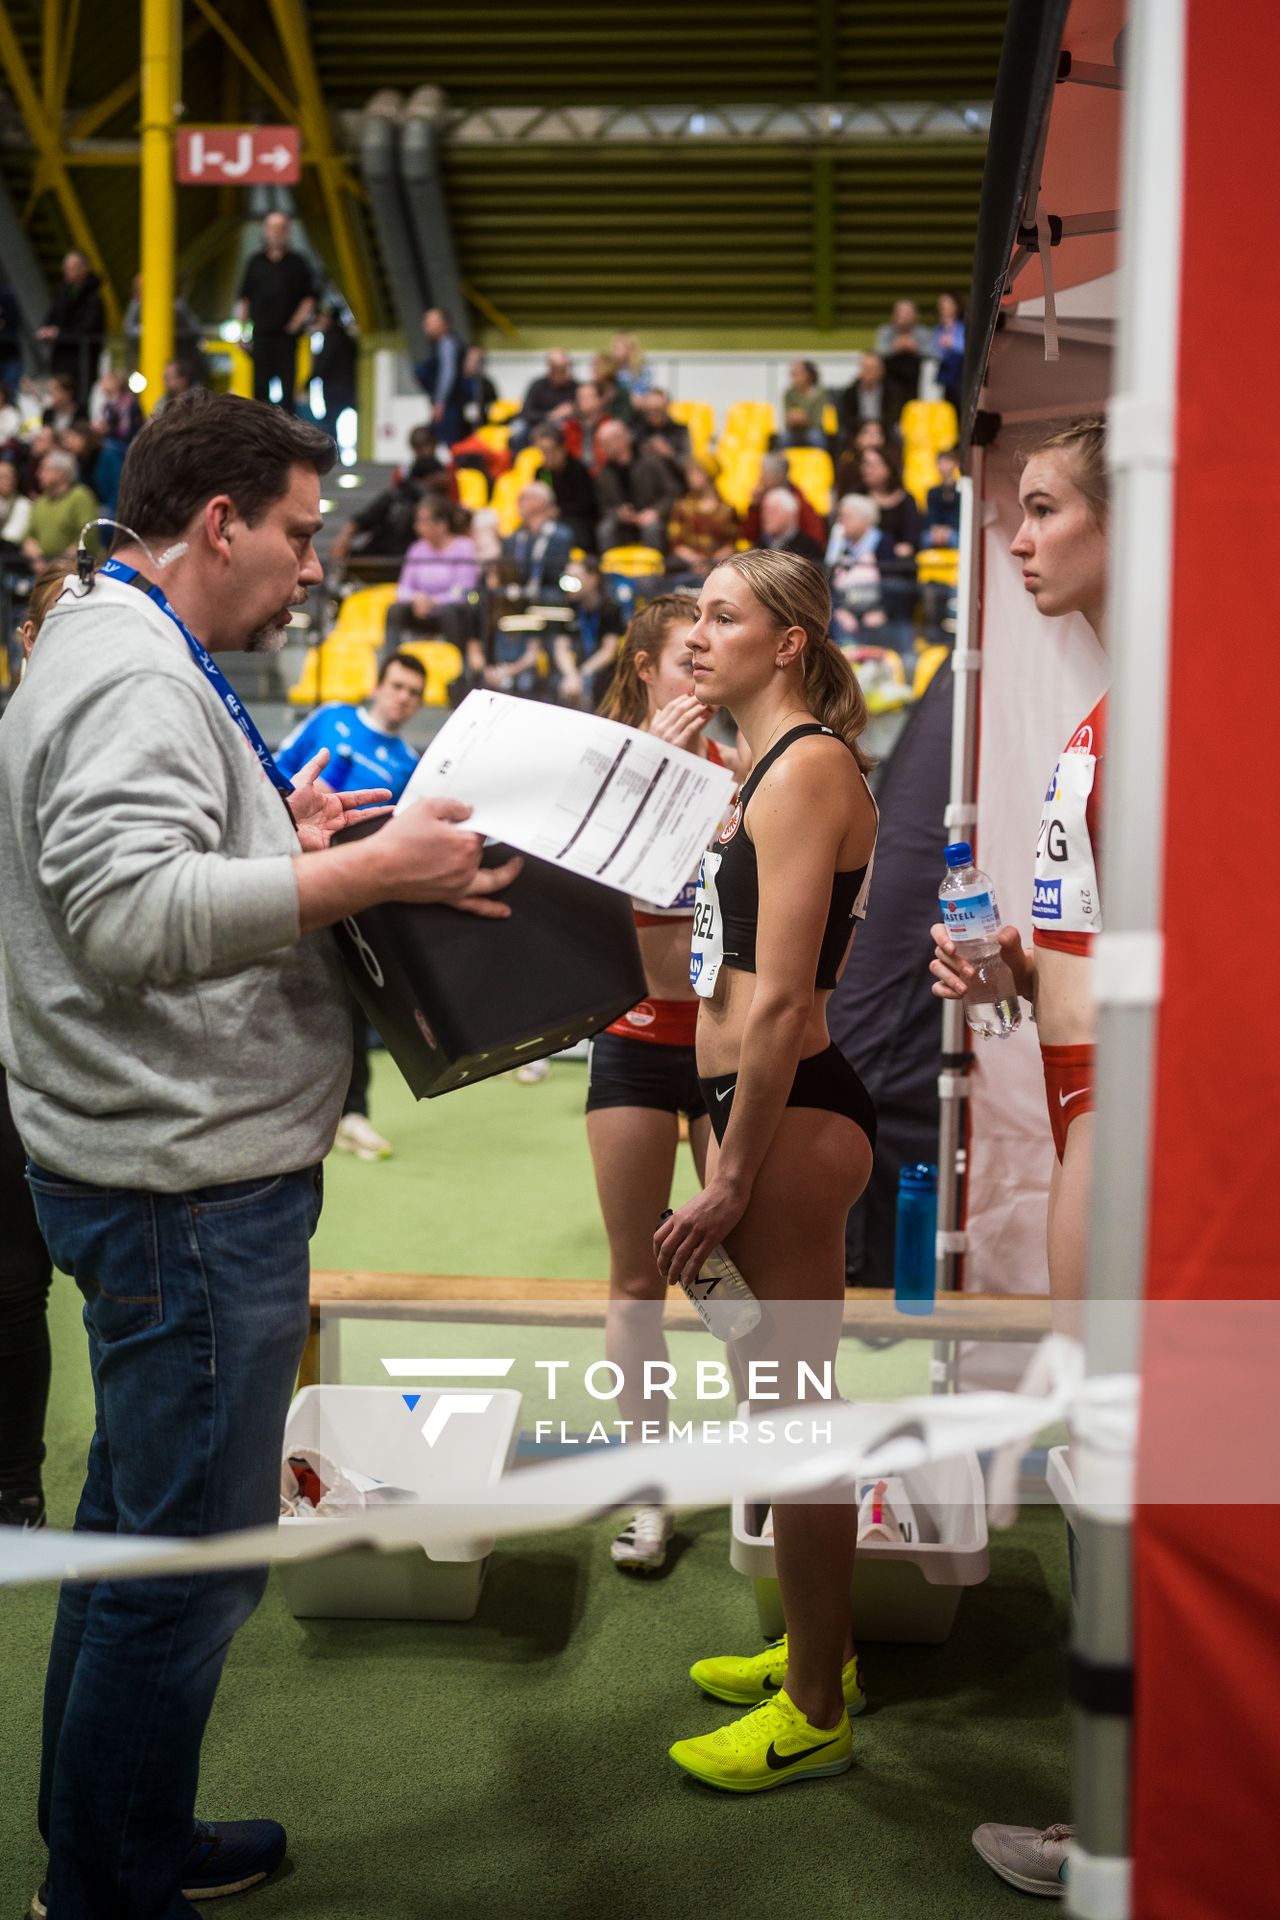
<point x="429" y="861"/>
<point x="319" y="813"/>
<point x="422" y="605"/>
<point x="46" y="333"/>
<point x="33" y="550"/>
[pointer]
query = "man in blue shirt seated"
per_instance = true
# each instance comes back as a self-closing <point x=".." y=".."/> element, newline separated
<point x="365" y="750"/>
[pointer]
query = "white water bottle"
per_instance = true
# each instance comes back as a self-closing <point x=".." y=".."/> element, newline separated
<point x="972" y="919"/>
<point x="724" y="1301"/>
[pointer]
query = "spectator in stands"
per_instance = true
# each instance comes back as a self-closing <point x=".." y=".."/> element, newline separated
<point x="848" y="478"/>
<point x="365" y="750"/>
<point x="64" y="408"/>
<point x="942" y="504"/>
<point x="549" y="400"/>
<point x="853" y="564"/>
<point x="15" y="512"/>
<point x="899" y="531"/>
<point x="775" y="473"/>
<point x="478" y="392"/>
<point x="947" y="347"/>
<point x="98" y="462"/>
<point x="538" y="552"/>
<point x="629" y="367"/>
<point x="703" y="528"/>
<point x="75" y="325"/>
<point x="439" y="374"/>
<point x="654" y="431"/>
<point x="588" y="416"/>
<point x="803" y="405"/>
<point x="118" y="415"/>
<point x="10" y="338"/>
<point x="334" y="366"/>
<point x="572" y="485"/>
<point x="584" y="658"/>
<point x="439" y="571"/>
<point x="178" y="379"/>
<point x="614" y="397"/>
<point x="277" y="296"/>
<point x="636" y="492"/>
<point x="10" y="416"/>
<point x="383" y="530"/>
<point x="902" y="332"/>
<point x="61" y="508"/>
<point x="186" y="333"/>
<point x="780" y="526"/>
<point x="867" y="398"/>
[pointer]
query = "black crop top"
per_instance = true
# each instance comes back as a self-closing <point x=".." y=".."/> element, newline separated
<point x="727" y="907"/>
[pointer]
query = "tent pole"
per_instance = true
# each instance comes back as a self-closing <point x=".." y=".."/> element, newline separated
<point x="953" y="1080"/>
<point x="1128" y="961"/>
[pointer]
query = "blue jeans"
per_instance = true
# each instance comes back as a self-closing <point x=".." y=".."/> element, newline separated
<point x="196" y="1311"/>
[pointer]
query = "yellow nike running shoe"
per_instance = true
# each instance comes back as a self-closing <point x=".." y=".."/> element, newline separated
<point x="769" y="1746"/>
<point x="743" y="1682"/>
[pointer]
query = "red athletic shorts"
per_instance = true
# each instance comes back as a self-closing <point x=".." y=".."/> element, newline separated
<point x="1068" y="1086"/>
<point x="668" y="1023"/>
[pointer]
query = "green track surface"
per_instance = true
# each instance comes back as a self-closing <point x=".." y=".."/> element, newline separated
<point x="515" y="1765"/>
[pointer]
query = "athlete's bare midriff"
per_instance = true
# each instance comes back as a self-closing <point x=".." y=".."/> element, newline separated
<point x="665" y="952"/>
<point x="723" y="1018"/>
<point x="1065" y="1011"/>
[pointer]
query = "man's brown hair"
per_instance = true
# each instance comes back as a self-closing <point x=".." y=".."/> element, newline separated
<point x="203" y="444"/>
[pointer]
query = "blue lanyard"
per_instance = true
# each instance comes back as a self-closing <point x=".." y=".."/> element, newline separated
<point x="130" y="577"/>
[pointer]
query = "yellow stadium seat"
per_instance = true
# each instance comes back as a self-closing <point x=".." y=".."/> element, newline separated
<point x="528" y="464"/>
<point x="634" y="563"/>
<point x="938" y="566"/>
<point x="503" y="410"/>
<point x="699" y="417"/>
<point x="928" y="660"/>
<point x="751" y="421"/>
<point x="337" y="669"/>
<point x="739" y="477"/>
<point x="496" y="437"/>
<point x="443" y="663"/>
<point x="919" y="473"/>
<point x="473" y="488"/>
<point x="362" y="618"/>
<point x="812" y="472"/>
<point x="929" y="425"/>
<point x="830" y="421"/>
<point x="506" y="492"/>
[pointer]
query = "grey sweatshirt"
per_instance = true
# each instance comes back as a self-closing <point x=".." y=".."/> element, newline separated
<point x="162" y="1024"/>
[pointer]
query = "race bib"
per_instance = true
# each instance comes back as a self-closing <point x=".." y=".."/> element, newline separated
<point x="706" y="955"/>
<point x="1066" y="897"/>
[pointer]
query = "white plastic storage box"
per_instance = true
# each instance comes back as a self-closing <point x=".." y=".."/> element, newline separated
<point x="374" y="1431"/>
<point x="900" y="1592"/>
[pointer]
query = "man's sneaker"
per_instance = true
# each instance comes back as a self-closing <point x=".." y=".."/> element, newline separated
<point x="25" y="1510"/>
<point x="641" y="1547"/>
<point x="759" y="1677"/>
<point x="1030" y="1858"/>
<point x="769" y="1746"/>
<point x="355" y="1135"/>
<point x="225" y="1856"/>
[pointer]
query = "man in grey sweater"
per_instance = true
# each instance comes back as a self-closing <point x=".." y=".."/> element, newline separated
<point x="176" y="1035"/>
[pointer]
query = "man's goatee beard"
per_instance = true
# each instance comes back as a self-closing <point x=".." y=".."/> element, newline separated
<point x="267" y="640"/>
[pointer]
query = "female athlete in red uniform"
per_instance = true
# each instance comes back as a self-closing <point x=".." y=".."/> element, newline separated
<point x="777" y="902"/>
<point x="642" y="1074"/>
<point x="1062" y="544"/>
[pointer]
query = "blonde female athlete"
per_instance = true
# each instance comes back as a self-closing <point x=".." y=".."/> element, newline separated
<point x="794" y="1126"/>
<point x="1062" y="544"/>
<point x="642" y="1074"/>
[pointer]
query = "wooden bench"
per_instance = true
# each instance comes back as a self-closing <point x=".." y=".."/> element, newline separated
<point x="869" y="1313"/>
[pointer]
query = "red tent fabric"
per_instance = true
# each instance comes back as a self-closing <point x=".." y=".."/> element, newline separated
<point x="1207" y="1747"/>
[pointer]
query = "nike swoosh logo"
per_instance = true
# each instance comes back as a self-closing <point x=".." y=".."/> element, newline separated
<point x="727" y="1092"/>
<point x="779" y="1762"/>
<point x="772" y="1686"/>
<point x="1064" y="1097"/>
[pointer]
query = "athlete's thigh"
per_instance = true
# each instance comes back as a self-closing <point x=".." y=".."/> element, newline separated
<point x="792" y="1232"/>
<point x="633" y="1151"/>
<point x="700" y="1144"/>
<point x="1068" y="1225"/>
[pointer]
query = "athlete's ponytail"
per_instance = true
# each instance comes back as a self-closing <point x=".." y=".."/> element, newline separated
<point x="627" y="699"/>
<point x="796" y="593"/>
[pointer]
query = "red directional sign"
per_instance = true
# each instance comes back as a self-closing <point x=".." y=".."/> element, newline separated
<point x="238" y="156"/>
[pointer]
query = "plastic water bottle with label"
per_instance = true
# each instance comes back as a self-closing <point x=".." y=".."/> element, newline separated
<point x="723" y="1300"/>
<point x="972" y="919"/>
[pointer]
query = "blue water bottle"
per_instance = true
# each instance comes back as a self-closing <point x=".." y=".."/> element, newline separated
<point x="914" y="1250"/>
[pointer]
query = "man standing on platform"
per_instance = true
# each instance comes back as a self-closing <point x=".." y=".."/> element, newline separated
<point x="277" y="296"/>
<point x="356" y="747"/>
<point x="173" y="1022"/>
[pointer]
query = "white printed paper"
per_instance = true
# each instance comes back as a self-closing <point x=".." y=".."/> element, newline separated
<point x="604" y="800"/>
